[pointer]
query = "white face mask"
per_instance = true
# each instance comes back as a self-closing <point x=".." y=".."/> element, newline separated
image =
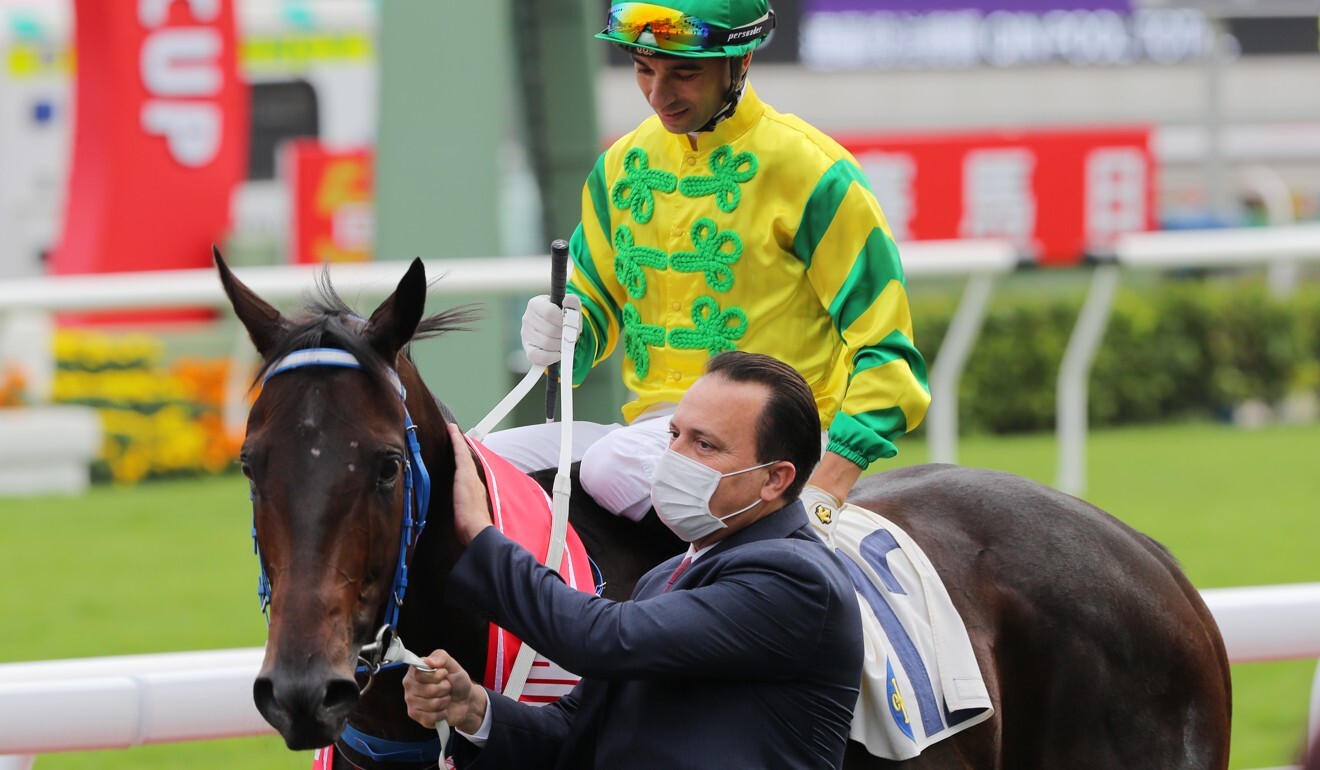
<point x="681" y="493"/>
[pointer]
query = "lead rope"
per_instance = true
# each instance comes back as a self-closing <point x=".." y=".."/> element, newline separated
<point x="375" y="658"/>
<point x="397" y="653"/>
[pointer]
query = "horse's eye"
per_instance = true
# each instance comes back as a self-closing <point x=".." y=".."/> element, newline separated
<point x="247" y="471"/>
<point x="389" y="470"/>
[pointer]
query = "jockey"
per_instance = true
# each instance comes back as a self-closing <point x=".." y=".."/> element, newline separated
<point x="722" y="224"/>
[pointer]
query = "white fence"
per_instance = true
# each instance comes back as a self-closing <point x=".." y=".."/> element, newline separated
<point x="1200" y="249"/>
<point x="192" y="696"/>
<point x="980" y="260"/>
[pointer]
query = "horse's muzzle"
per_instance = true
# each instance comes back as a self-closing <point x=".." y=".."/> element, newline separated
<point x="308" y="711"/>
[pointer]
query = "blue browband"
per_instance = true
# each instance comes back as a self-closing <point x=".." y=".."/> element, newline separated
<point x="418" y="494"/>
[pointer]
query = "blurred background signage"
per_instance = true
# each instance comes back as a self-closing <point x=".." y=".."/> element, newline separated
<point x="1057" y="194"/>
<point x="161" y="135"/>
<point x="947" y="34"/>
<point x="330" y="194"/>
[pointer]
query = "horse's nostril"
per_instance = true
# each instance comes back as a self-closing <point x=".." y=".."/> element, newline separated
<point x="341" y="695"/>
<point x="263" y="692"/>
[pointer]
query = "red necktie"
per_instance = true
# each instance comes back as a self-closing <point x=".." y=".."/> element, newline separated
<point x="679" y="570"/>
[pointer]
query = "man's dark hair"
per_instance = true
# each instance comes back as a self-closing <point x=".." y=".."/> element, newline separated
<point x="789" y="428"/>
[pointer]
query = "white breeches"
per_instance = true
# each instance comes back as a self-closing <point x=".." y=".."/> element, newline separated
<point x="618" y="461"/>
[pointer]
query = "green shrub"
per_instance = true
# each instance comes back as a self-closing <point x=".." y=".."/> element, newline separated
<point x="1175" y="349"/>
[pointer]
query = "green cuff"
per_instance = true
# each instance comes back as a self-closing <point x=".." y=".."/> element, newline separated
<point x="853" y="440"/>
<point x="847" y="453"/>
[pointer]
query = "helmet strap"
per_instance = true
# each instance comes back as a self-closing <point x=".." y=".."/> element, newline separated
<point x="737" y="82"/>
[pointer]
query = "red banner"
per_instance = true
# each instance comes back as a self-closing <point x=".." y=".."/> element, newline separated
<point x="1057" y="194"/>
<point x="160" y="139"/>
<point x="330" y="203"/>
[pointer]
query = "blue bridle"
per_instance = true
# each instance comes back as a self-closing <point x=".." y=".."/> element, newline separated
<point x="414" y="470"/>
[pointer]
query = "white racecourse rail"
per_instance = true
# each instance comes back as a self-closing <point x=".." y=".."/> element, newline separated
<point x="117" y="702"/>
<point x="979" y="260"/>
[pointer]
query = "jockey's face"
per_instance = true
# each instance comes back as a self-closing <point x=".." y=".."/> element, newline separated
<point x="685" y="93"/>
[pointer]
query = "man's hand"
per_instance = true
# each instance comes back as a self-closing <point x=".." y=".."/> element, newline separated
<point x="444" y="694"/>
<point x="471" y="512"/>
<point x="542" y="326"/>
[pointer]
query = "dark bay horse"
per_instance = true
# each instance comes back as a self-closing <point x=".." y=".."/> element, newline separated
<point x="1096" y="650"/>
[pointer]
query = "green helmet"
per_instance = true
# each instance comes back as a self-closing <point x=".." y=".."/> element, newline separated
<point x="690" y="28"/>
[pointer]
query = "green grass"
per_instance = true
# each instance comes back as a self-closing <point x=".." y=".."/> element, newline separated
<point x="169" y="566"/>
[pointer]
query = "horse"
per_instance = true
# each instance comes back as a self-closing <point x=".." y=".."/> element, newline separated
<point x="1096" y="649"/>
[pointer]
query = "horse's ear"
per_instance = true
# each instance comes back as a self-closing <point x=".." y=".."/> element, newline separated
<point x="395" y="321"/>
<point x="265" y="325"/>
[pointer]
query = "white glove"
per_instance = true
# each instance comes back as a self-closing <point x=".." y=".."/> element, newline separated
<point x="822" y="511"/>
<point x="542" y="326"/>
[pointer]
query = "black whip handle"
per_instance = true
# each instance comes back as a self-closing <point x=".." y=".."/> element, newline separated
<point x="558" y="280"/>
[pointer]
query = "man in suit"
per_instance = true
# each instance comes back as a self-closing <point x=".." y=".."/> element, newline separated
<point x="745" y="652"/>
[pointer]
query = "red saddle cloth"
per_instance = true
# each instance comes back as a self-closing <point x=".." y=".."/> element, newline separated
<point x="521" y="510"/>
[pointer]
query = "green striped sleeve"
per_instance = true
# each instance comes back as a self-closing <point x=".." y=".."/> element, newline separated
<point x="895" y="347"/>
<point x="823" y="204"/>
<point x="600" y="195"/>
<point x="599" y="313"/>
<point x="875" y="266"/>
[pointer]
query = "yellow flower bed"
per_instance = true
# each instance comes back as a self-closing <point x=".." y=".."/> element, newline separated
<point x="158" y="420"/>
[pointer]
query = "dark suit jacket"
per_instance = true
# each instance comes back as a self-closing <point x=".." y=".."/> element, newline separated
<point x="752" y="660"/>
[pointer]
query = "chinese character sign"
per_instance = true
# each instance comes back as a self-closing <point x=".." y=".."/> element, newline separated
<point x="1056" y="194"/>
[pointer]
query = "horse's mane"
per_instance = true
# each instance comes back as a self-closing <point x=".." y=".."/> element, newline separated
<point x="327" y="321"/>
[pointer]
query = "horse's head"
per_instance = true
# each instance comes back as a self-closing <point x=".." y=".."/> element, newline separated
<point x="327" y="457"/>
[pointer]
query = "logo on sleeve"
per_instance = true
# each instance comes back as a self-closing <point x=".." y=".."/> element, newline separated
<point x="823" y="513"/>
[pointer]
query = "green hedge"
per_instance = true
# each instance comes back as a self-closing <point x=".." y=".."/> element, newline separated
<point x="1176" y="349"/>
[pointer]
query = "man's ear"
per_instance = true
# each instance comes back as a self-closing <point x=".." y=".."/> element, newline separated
<point x="781" y="478"/>
<point x="746" y="63"/>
